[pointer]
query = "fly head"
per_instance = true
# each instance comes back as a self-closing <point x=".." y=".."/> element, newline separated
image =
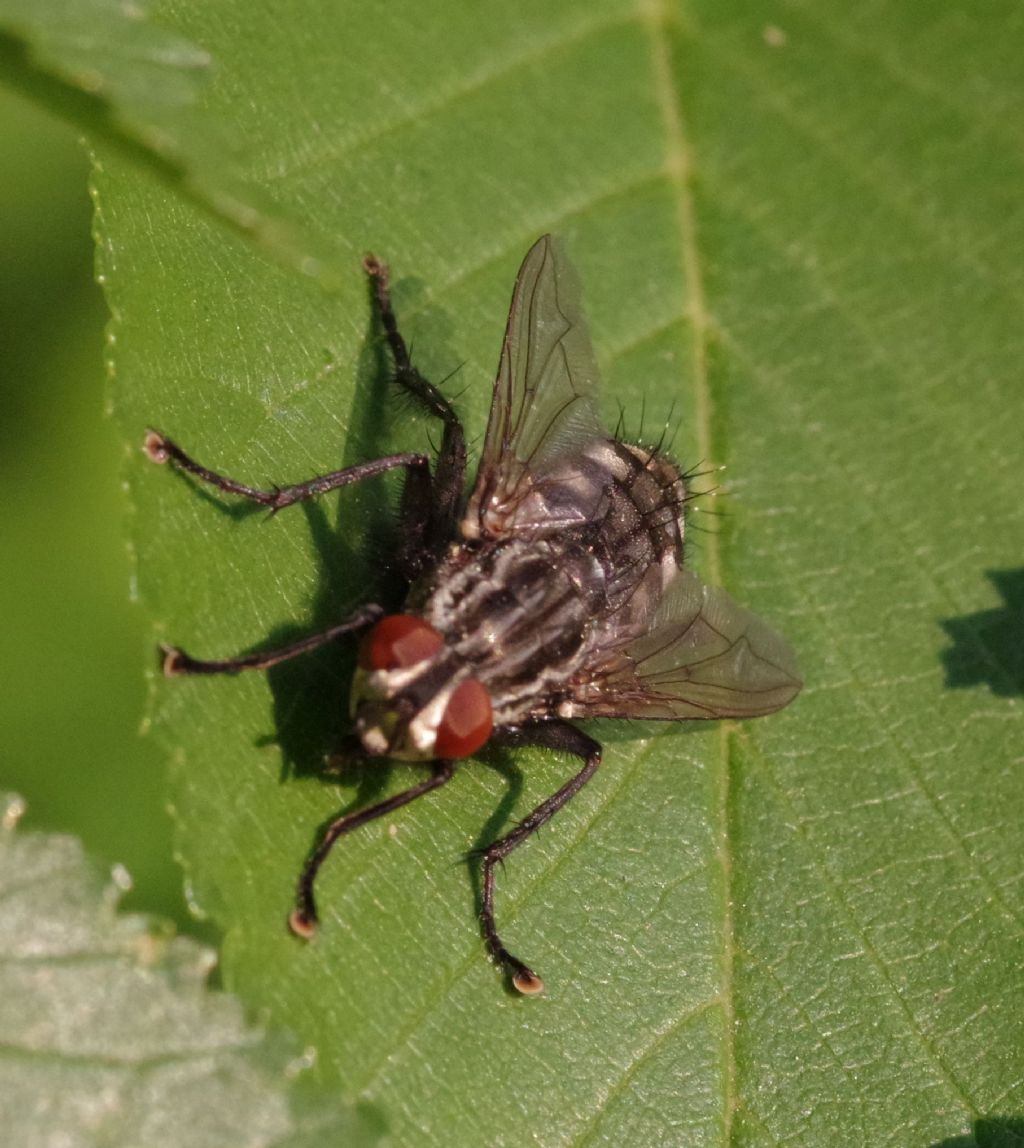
<point x="413" y="699"/>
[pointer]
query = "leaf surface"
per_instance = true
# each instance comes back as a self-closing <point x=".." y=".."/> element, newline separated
<point x="798" y="231"/>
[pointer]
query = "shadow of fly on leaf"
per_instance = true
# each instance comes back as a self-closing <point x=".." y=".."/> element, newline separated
<point x="555" y="591"/>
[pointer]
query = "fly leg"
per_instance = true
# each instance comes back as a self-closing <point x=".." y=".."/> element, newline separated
<point x="303" y="919"/>
<point x="430" y="504"/>
<point x="429" y="510"/>
<point x="556" y="735"/>
<point x="176" y="661"/>
<point x="162" y="449"/>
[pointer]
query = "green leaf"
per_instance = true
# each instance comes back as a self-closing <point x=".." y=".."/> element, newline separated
<point x="798" y="230"/>
<point x="110" y="1035"/>
<point x="106" y="67"/>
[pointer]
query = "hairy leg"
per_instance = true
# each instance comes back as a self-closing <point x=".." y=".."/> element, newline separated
<point x="433" y="515"/>
<point x="556" y="735"/>
<point x="177" y="662"/>
<point x="304" y="918"/>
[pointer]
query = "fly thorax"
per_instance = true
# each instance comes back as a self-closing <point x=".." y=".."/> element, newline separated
<point x="519" y="612"/>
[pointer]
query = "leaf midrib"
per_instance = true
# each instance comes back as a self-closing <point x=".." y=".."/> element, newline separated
<point x="658" y="17"/>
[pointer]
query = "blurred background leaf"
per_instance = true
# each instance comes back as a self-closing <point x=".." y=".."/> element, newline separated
<point x="110" y="1034"/>
<point x="798" y="229"/>
<point x="132" y="83"/>
<point x="72" y="642"/>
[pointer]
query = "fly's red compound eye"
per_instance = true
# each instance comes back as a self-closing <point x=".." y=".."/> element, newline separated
<point x="398" y="641"/>
<point x="467" y="722"/>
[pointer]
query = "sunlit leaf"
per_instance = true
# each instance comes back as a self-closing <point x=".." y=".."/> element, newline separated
<point x="798" y="229"/>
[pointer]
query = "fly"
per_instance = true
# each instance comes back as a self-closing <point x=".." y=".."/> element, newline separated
<point x="556" y="591"/>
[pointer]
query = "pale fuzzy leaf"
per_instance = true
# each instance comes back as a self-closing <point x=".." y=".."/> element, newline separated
<point x="110" y="1034"/>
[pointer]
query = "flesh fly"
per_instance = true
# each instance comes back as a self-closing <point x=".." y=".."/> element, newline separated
<point x="555" y="591"/>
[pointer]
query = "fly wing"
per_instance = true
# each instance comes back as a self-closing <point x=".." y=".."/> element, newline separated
<point x="543" y="409"/>
<point x="703" y="657"/>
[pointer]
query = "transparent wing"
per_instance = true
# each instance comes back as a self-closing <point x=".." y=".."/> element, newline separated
<point x="704" y="657"/>
<point x="543" y="409"/>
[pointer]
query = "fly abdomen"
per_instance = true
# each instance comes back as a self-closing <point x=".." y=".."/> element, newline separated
<point x="639" y="537"/>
